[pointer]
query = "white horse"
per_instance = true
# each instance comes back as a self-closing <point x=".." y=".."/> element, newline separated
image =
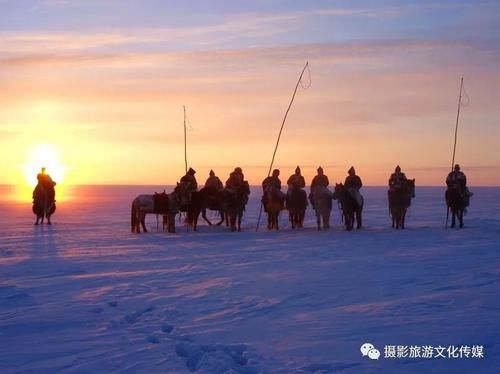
<point x="321" y="200"/>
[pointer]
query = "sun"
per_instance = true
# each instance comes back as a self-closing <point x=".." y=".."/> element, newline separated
<point x="44" y="156"/>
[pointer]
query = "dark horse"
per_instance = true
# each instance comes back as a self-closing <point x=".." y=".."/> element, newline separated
<point x="206" y="198"/>
<point x="400" y="201"/>
<point x="351" y="207"/>
<point x="44" y="204"/>
<point x="234" y="202"/>
<point x="273" y="204"/>
<point x="457" y="202"/>
<point x="296" y="203"/>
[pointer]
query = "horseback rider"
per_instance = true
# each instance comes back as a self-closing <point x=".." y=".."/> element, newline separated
<point x="237" y="182"/>
<point x="353" y="184"/>
<point x="397" y="179"/>
<point x="319" y="180"/>
<point x="46" y="183"/>
<point x="296" y="182"/>
<point x="213" y="182"/>
<point x="274" y="184"/>
<point x="190" y="179"/>
<point x="457" y="179"/>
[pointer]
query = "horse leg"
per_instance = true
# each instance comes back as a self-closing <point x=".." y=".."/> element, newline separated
<point x="318" y="220"/>
<point x="172" y="222"/>
<point x="461" y="218"/>
<point x="403" y="217"/>
<point x="143" y="222"/>
<point x="221" y="213"/>
<point x="204" y="215"/>
<point x="240" y="216"/>
<point x="276" y="221"/>
<point x="453" y="213"/>
<point x="292" y="219"/>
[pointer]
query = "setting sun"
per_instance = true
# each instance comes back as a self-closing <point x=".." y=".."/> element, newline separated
<point x="47" y="156"/>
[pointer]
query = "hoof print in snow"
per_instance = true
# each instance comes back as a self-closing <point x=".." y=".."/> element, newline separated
<point x="153" y="339"/>
<point x="214" y="358"/>
<point x="133" y="317"/>
<point x="166" y="328"/>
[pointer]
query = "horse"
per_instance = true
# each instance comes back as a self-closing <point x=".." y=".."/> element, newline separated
<point x="234" y="201"/>
<point x="44" y="204"/>
<point x="165" y="204"/>
<point x="321" y="200"/>
<point x="206" y="198"/>
<point x="350" y="205"/>
<point x="457" y="203"/>
<point x="273" y="204"/>
<point x="296" y="203"/>
<point x="399" y="202"/>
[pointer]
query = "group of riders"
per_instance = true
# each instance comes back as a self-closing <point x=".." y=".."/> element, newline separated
<point x="455" y="181"/>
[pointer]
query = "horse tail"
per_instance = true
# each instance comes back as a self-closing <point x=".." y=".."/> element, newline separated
<point x="133" y="216"/>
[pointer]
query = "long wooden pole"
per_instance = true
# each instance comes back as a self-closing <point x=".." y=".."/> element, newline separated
<point x="456" y="125"/>
<point x="455" y="143"/>
<point x="279" y="134"/>
<point x="185" y="142"/>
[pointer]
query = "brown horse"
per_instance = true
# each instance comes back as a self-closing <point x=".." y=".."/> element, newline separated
<point x="44" y="204"/>
<point x="400" y="201"/>
<point x="296" y="203"/>
<point x="273" y="204"/>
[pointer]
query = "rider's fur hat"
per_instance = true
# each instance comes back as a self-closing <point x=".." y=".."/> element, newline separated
<point x="297" y="169"/>
<point x="398" y="168"/>
<point x="351" y="170"/>
<point x="191" y="171"/>
<point x="457" y="167"/>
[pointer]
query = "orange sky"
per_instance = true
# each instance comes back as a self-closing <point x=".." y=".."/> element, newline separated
<point x="109" y="100"/>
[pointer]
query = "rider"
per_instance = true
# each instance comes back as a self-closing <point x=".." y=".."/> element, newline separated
<point x="457" y="179"/>
<point x="274" y="183"/>
<point x="353" y="184"/>
<point x="397" y="179"/>
<point x="296" y="182"/>
<point x="214" y="182"/>
<point x="396" y="182"/>
<point x="319" y="180"/>
<point x="237" y="182"/>
<point x="190" y="179"/>
<point x="47" y="184"/>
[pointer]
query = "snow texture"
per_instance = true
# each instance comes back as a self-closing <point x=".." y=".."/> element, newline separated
<point x="87" y="295"/>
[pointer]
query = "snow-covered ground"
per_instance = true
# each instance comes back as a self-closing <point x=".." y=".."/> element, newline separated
<point x="86" y="295"/>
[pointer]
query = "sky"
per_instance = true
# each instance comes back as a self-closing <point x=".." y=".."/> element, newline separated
<point x="101" y="85"/>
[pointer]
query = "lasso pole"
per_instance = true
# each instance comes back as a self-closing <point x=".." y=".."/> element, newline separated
<point x="455" y="143"/>
<point x="279" y="136"/>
